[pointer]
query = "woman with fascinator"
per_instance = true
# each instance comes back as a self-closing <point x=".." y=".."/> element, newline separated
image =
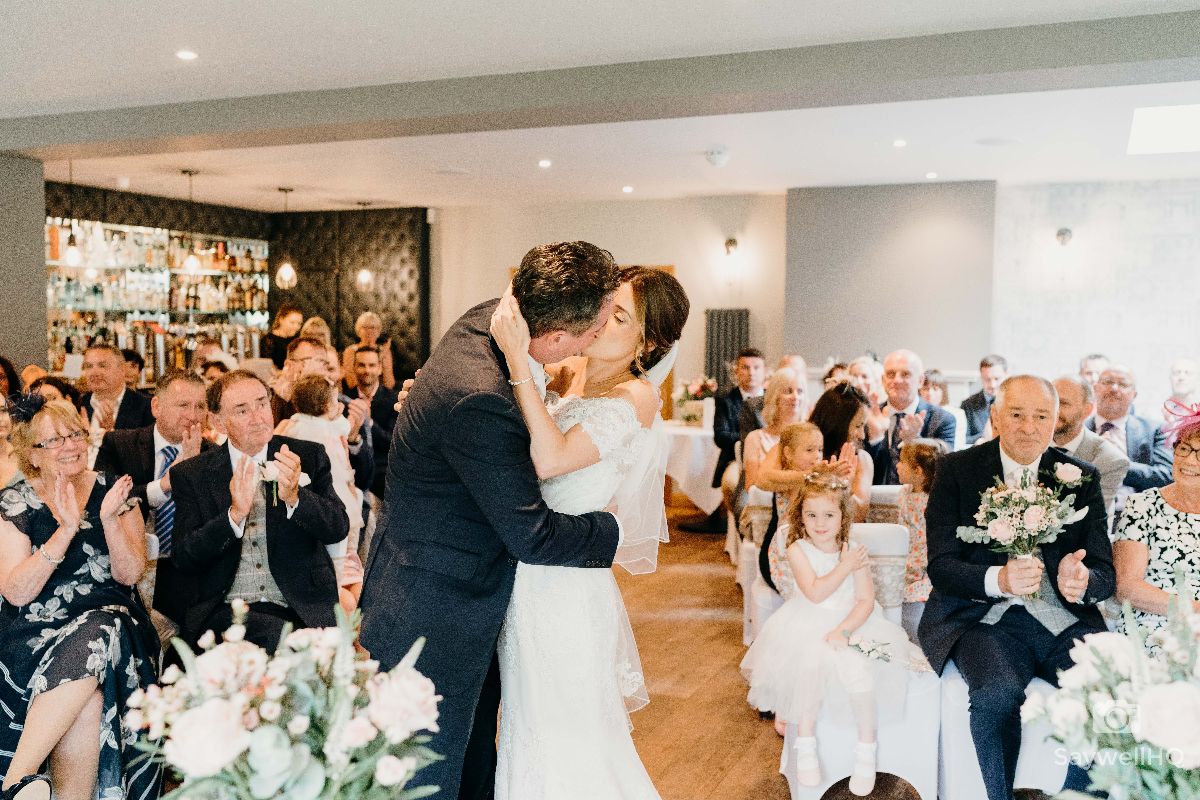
<point x="569" y="666"/>
<point x="1159" y="530"/>
<point x="75" y="640"/>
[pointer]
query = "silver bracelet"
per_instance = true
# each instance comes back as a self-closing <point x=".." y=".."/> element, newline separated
<point x="515" y="384"/>
<point x="45" y="555"/>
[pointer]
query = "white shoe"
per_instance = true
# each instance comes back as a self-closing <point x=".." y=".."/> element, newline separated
<point x="808" y="769"/>
<point x="862" y="779"/>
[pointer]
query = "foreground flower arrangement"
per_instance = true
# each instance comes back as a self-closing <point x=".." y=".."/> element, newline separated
<point x="1132" y="718"/>
<point x="316" y="720"/>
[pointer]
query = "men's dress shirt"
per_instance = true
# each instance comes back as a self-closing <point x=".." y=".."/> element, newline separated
<point x="154" y="491"/>
<point x="96" y="430"/>
<point x="894" y="419"/>
<point x="1113" y="430"/>
<point x="260" y="458"/>
<point x="1073" y="445"/>
<point x="1012" y="476"/>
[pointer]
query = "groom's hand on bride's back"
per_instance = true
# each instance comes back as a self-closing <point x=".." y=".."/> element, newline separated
<point x="402" y="395"/>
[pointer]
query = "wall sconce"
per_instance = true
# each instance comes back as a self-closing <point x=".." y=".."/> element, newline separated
<point x="1063" y="235"/>
<point x="730" y="246"/>
<point x="365" y="280"/>
<point x="285" y="276"/>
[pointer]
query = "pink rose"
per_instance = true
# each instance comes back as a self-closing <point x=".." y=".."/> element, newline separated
<point x="1002" y="531"/>
<point x="1034" y="518"/>
<point x="359" y="732"/>
<point x="390" y="770"/>
<point x="402" y="702"/>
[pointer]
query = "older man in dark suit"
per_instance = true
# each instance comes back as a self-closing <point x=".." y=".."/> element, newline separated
<point x="905" y="416"/>
<point x="244" y="538"/>
<point x="981" y="612"/>
<point x="464" y="506"/>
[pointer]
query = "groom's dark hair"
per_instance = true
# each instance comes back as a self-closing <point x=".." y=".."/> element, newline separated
<point x="561" y="286"/>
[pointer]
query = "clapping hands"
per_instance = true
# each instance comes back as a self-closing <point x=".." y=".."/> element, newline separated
<point x="114" y="502"/>
<point x="910" y="426"/>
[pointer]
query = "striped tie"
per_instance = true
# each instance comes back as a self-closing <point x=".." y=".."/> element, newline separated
<point x="164" y="517"/>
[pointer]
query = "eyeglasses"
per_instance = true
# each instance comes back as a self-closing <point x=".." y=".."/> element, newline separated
<point x="1112" y="383"/>
<point x="1184" y="451"/>
<point x="55" y="442"/>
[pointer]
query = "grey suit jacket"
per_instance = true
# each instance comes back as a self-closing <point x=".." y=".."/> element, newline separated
<point x="1110" y="462"/>
<point x="1149" y="458"/>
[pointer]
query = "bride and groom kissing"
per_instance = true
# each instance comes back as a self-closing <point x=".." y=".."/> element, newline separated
<point x="506" y="508"/>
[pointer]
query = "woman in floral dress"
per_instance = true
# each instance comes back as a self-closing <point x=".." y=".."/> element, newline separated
<point x="75" y="641"/>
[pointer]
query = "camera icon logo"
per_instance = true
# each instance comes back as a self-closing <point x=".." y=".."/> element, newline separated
<point x="1116" y="719"/>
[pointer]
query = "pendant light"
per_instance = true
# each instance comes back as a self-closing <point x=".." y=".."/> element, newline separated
<point x="192" y="262"/>
<point x="365" y="279"/>
<point x="73" y="256"/>
<point x="285" y="276"/>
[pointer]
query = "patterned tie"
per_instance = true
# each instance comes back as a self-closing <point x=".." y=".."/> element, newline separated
<point x="1106" y="428"/>
<point x="164" y="517"/>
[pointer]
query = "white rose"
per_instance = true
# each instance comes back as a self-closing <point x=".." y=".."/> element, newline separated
<point x="207" y="640"/>
<point x="1168" y="716"/>
<point x="298" y="726"/>
<point x="137" y="697"/>
<point x="1066" y="713"/>
<point x="402" y="702"/>
<point x="206" y="739"/>
<point x="275" y="690"/>
<point x="235" y="633"/>
<point x="135" y="720"/>
<point x="1033" y="707"/>
<point x="269" y="471"/>
<point x="170" y="675"/>
<point x="1114" y="649"/>
<point x="1067" y="473"/>
<point x="359" y="732"/>
<point x="390" y="771"/>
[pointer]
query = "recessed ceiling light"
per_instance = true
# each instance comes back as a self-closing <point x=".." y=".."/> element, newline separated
<point x="627" y="189"/>
<point x="931" y="176"/>
<point x="186" y="55"/>
<point x="453" y="171"/>
<point x="899" y="143"/>
<point x="1164" y="129"/>
<point x="544" y="163"/>
<point x="997" y="141"/>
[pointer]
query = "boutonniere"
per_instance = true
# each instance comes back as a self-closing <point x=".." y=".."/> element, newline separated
<point x="268" y="472"/>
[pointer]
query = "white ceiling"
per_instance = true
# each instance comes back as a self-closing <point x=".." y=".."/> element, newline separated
<point x="76" y="55"/>
<point x="1078" y="135"/>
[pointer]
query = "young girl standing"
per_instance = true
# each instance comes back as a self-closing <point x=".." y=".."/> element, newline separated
<point x="916" y="468"/>
<point x="812" y="650"/>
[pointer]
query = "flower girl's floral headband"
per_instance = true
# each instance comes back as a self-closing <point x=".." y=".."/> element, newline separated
<point x="819" y="478"/>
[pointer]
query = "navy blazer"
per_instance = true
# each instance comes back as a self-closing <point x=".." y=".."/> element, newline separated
<point x="727" y="430"/>
<point x="939" y="424"/>
<point x="382" y="422"/>
<point x="1149" y="457"/>
<point x="207" y="549"/>
<point x="977" y="409"/>
<point x="957" y="568"/>
<point x="134" y="411"/>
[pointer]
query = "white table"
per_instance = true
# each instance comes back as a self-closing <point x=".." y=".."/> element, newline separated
<point x="691" y="464"/>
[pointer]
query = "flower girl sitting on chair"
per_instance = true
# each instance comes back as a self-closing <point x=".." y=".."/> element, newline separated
<point x="830" y="643"/>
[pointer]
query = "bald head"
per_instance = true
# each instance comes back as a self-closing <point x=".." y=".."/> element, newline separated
<point x="903" y="374"/>
<point x="1076" y="402"/>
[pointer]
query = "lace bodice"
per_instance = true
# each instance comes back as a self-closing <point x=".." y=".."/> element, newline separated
<point x="613" y="426"/>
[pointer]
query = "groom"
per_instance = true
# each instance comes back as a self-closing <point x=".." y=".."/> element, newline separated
<point x="973" y="615"/>
<point x="464" y="507"/>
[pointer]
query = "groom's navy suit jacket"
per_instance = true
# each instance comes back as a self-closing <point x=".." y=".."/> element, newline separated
<point x="957" y="568"/>
<point x="464" y="507"/>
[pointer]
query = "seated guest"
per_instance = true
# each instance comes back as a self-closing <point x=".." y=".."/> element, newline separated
<point x="369" y="328"/>
<point x="382" y="409"/>
<point x="838" y="372"/>
<point x="781" y="407"/>
<point x="800" y="448"/>
<point x="1140" y="439"/>
<point x="993" y="369"/>
<point x="936" y="391"/>
<point x="10" y="466"/>
<point x="317" y="328"/>
<point x="134" y="364"/>
<point x="908" y="416"/>
<point x="1077" y="402"/>
<point x="109" y="405"/>
<point x="211" y="370"/>
<point x="284" y="328"/>
<point x="150" y="456"/>
<point x="971" y="617"/>
<point x="318" y="420"/>
<point x="1091" y="365"/>
<point x="1159" y="533"/>
<point x="244" y="538"/>
<point x="751" y="418"/>
<point x="10" y="382"/>
<point x="917" y="468"/>
<point x="1185" y="388"/>
<point x="31" y="373"/>
<point x="74" y="642"/>
<point x="52" y="388"/>
<point x="749" y="373"/>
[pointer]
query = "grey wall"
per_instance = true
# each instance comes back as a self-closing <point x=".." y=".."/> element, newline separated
<point x="882" y="267"/>
<point x="22" y="262"/>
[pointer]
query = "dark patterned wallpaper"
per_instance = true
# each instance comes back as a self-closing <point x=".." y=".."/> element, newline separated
<point x="328" y="248"/>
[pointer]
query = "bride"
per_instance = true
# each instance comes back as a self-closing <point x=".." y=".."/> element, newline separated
<point x="568" y="663"/>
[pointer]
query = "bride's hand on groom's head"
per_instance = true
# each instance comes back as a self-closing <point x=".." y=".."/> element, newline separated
<point x="510" y="330"/>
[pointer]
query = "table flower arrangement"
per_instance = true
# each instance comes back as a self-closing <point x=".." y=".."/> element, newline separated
<point x="1017" y="520"/>
<point x="316" y="721"/>
<point x="690" y="398"/>
<point x="1133" y="719"/>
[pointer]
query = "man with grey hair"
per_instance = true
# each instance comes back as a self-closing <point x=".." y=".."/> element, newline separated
<point x="983" y="613"/>
<point x="909" y="417"/>
<point x="1140" y="439"/>
<point x="1184" y="386"/>
<point x="1091" y="365"/>
<point x="1077" y="402"/>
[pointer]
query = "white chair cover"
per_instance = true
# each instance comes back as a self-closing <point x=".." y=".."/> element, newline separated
<point x="747" y="569"/>
<point x="1040" y="765"/>
<point x="888" y="545"/>
<point x="885" y="504"/>
<point x="764" y="601"/>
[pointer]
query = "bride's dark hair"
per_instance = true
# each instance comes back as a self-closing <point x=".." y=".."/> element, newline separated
<point x="662" y="306"/>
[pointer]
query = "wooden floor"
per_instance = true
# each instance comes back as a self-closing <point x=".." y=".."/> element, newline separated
<point x="698" y="737"/>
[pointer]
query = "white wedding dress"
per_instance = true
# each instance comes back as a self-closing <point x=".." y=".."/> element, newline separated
<point x="568" y="664"/>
